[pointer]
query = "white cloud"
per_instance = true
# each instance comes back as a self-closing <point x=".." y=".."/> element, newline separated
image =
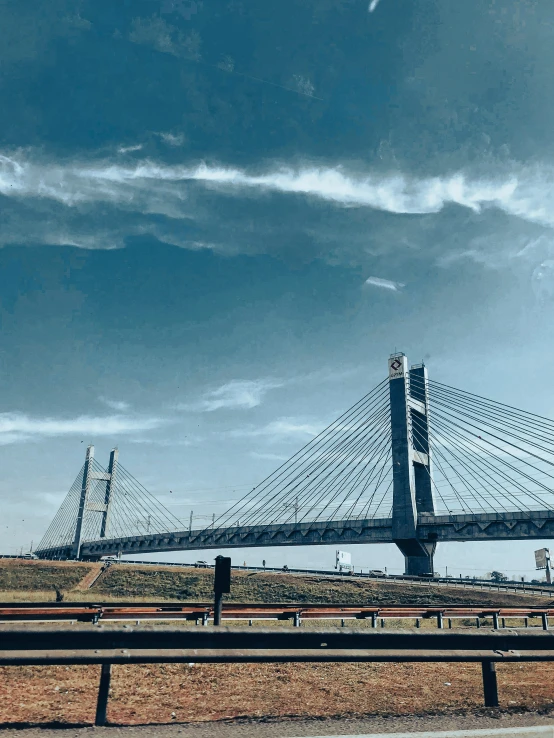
<point x="129" y="149"/>
<point x="172" y="139"/>
<point x="278" y="430"/>
<point x="269" y="457"/>
<point x="118" y="405"/>
<point x="384" y="284"/>
<point x="150" y="188"/>
<point x="234" y="395"/>
<point x="372" y="5"/>
<point x="17" y="427"/>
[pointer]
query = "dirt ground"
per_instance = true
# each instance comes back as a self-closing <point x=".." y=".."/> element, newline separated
<point x="167" y="693"/>
<point x="498" y="721"/>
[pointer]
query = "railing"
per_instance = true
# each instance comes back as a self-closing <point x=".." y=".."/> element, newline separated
<point x="93" y="645"/>
<point x="202" y="613"/>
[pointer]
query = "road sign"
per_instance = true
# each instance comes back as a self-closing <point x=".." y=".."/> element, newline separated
<point x="542" y="558"/>
<point x="343" y="560"/>
<point x="222" y="579"/>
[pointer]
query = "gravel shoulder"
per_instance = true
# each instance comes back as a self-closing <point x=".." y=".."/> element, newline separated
<point x="478" y="720"/>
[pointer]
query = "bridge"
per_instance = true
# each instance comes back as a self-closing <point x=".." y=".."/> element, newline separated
<point x="415" y="462"/>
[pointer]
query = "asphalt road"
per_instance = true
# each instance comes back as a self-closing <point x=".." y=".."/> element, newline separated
<point x="485" y="720"/>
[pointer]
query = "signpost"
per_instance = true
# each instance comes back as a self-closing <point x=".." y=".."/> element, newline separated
<point x="542" y="561"/>
<point x="343" y="561"/>
<point x="222" y="584"/>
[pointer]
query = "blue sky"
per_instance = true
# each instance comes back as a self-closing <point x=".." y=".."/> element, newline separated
<point x="220" y="217"/>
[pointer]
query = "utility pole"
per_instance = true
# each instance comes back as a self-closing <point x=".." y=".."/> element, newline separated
<point x="190" y="523"/>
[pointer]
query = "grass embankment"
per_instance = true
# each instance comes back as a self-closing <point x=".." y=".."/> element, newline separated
<point x="191" y="585"/>
<point x="33" y="580"/>
<point x="24" y="580"/>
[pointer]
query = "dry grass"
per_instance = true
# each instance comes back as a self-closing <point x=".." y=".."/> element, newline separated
<point x="152" y="693"/>
<point x="191" y="585"/>
<point x="36" y="580"/>
<point x="18" y="575"/>
<point x="171" y="692"/>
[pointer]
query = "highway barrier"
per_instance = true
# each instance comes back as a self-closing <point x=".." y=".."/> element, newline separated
<point x="443" y="614"/>
<point x="52" y="645"/>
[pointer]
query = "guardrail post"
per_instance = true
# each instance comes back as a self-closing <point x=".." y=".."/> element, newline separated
<point x="204" y="618"/>
<point x="450" y="623"/>
<point x="503" y="622"/>
<point x="382" y="622"/>
<point x="103" y="693"/>
<point x="439" y="620"/>
<point x="296" y="619"/>
<point x="490" y="684"/>
<point x="526" y="622"/>
<point x="478" y="622"/>
<point x="342" y="623"/>
<point x="495" y="621"/>
<point x="544" y="617"/>
<point x="418" y="623"/>
<point x="373" y="619"/>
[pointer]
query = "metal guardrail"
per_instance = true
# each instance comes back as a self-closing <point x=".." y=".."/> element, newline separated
<point x="204" y="612"/>
<point x="93" y="645"/>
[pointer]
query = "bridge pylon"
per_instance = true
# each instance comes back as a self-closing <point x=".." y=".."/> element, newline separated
<point x="411" y="463"/>
<point x="85" y="504"/>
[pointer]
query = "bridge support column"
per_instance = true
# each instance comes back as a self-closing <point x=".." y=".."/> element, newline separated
<point x="411" y="463"/>
<point x="87" y="474"/>
<point x="110" y="484"/>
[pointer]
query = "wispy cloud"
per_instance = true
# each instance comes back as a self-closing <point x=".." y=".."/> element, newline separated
<point x="279" y="430"/>
<point x="77" y="183"/>
<point x="385" y="284"/>
<point x="118" y="405"/>
<point x="268" y="457"/>
<point x="172" y="139"/>
<point x="18" y="427"/>
<point x="152" y="188"/>
<point x="236" y="394"/>
<point x="129" y="149"/>
<point x="372" y="5"/>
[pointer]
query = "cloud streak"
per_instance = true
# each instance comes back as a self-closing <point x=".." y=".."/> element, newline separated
<point x="152" y="188"/>
<point x="18" y="427"/>
<point x="283" y="429"/>
<point x="118" y="405"/>
<point x="234" y="395"/>
<point x="385" y="284"/>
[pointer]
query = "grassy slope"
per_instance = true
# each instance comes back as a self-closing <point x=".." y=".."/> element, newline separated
<point x="31" y="576"/>
<point x="122" y="582"/>
<point x="197" y="585"/>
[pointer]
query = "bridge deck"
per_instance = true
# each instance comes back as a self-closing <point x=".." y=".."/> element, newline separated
<point x="537" y="524"/>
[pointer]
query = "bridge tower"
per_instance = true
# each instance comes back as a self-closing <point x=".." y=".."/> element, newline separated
<point x="411" y="459"/>
<point x="84" y="504"/>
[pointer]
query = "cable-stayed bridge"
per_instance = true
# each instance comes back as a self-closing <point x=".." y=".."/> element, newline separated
<point x="414" y="462"/>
